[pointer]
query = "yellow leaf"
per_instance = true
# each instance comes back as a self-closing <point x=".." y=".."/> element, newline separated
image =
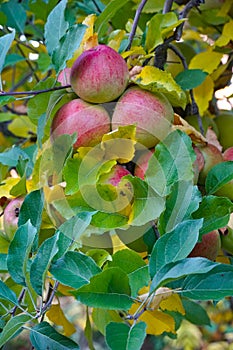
<point x="6" y="186"/>
<point x="225" y="8"/>
<point x="173" y="303"/>
<point x="115" y="39"/>
<point x="207" y="61"/>
<point x="203" y="94"/>
<point x="22" y="127"/>
<point x="155" y="80"/>
<point x="227" y="34"/>
<point x="157" y="321"/>
<point x="56" y="315"/>
<point x="136" y="50"/>
<point x="183" y="125"/>
<point x="4" y="244"/>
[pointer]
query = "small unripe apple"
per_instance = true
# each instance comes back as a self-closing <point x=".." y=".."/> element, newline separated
<point x="227" y="239"/>
<point x="224" y="123"/>
<point x="212" y="156"/>
<point x="208" y="247"/>
<point x="89" y="121"/>
<point x="99" y="75"/>
<point x="150" y="112"/>
<point x="11" y="216"/>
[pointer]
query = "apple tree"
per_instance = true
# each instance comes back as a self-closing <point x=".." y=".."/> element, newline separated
<point x="116" y="169"/>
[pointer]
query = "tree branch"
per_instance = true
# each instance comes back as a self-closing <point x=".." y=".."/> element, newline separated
<point x="167" y="6"/>
<point x="135" y="23"/>
<point x="36" y="92"/>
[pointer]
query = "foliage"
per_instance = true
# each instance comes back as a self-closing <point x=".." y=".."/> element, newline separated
<point x="122" y="252"/>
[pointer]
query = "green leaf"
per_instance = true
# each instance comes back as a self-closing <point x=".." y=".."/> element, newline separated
<point x="190" y="78"/>
<point x="19" y="250"/>
<point x="172" y="161"/>
<point x="109" y="11"/>
<point x="12" y="327"/>
<point x="216" y="284"/>
<point x="74" y="227"/>
<point x="56" y="26"/>
<point x="218" y="176"/>
<point x="67" y="45"/>
<point x="16" y="15"/>
<point x="74" y="269"/>
<point x="12" y="59"/>
<point x="4" y="100"/>
<point x="120" y="336"/>
<point x="180" y="204"/>
<point x="109" y="289"/>
<point x="41" y="262"/>
<point x="147" y="204"/>
<point x="11" y="156"/>
<point x="175" y="245"/>
<point x="3" y="262"/>
<point x="101" y="317"/>
<point x="195" y="313"/>
<point x="181" y="268"/>
<point x="32" y="208"/>
<point x="156" y="80"/>
<point x="134" y="266"/>
<point x="71" y="176"/>
<point x="215" y="211"/>
<point x="44" y="336"/>
<point x="7" y="294"/>
<point x="88" y="331"/>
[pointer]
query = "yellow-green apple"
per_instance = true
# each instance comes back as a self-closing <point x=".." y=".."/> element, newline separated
<point x="99" y="75"/>
<point x="207" y="122"/>
<point x="212" y="156"/>
<point x="224" y="123"/>
<point x="89" y="121"/>
<point x="150" y="112"/>
<point x="11" y="216"/>
<point x="208" y="247"/>
<point x="227" y="239"/>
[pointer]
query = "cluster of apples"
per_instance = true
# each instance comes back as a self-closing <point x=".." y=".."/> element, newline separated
<point x="106" y="100"/>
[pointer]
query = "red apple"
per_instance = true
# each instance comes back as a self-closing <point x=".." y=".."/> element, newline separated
<point x="198" y="164"/>
<point x="64" y="77"/>
<point x="115" y="175"/>
<point x="11" y="216"/>
<point x="142" y="164"/>
<point x="208" y="247"/>
<point x="89" y="121"/>
<point x="228" y="154"/>
<point x="151" y="112"/>
<point x="99" y="75"/>
<point x="212" y="156"/>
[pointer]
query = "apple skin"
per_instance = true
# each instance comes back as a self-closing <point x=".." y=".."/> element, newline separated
<point x="142" y="164"/>
<point x="207" y="122"/>
<point x="11" y="216"/>
<point x="115" y="175"/>
<point x="227" y="189"/>
<point x="64" y="77"/>
<point x="99" y="75"/>
<point x="212" y="156"/>
<point x="89" y="121"/>
<point x="209" y="246"/>
<point x="224" y="123"/>
<point x="151" y="112"/>
<point x="227" y="239"/>
<point x="228" y="154"/>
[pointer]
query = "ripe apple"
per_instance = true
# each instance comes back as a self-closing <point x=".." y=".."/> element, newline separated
<point x="228" y="154"/>
<point x="208" y="247"/>
<point x="212" y="156"/>
<point x="11" y="215"/>
<point x="64" y="77"/>
<point x="224" y="123"/>
<point x="99" y="75"/>
<point x="227" y="239"/>
<point x="142" y="164"/>
<point x="151" y="112"/>
<point x="115" y="175"/>
<point x="89" y="121"/>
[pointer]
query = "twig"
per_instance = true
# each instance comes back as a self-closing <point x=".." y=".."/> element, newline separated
<point x="179" y="54"/>
<point x="135" y="23"/>
<point x="155" y="229"/>
<point x="20" y="298"/>
<point x="36" y="92"/>
<point x="167" y="6"/>
<point x="49" y="301"/>
<point x="96" y="5"/>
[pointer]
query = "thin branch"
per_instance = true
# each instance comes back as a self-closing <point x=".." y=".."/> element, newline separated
<point x="36" y="92"/>
<point x="97" y="7"/>
<point x="28" y="63"/>
<point x="167" y="6"/>
<point x="20" y="298"/>
<point x="179" y="54"/>
<point x="135" y="23"/>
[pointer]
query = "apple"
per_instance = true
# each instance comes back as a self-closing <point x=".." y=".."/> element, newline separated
<point x="212" y="156"/>
<point x="224" y="122"/>
<point x="198" y="164"/>
<point x="228" y="154"/>
<point x="142" y="164"/>
<point x="99" y="75"/>
<point x="227" y="239"/>
<point x="115" y="175"/>
<point x="64" y="77"/>
<point x="208" y="247"/>
<point x="11" y="215"/>
<point x="89" y="121"/>
<point x="227" y="189"/>
<point x="207" y="122"/>
<point x="151" y="112"/>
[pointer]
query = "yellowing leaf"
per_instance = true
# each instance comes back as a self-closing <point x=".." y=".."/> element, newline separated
<point x="155" y="80"/>
<point x="136" y="50"/>
<point x="203" y="94"/>
<point x="115" y="39"/>
<point x="7" y="185"/>
<point x="207" y="61"/>
<point x="56" y="315"/>
<point x="225" y="8"/>
<point x="227" y="34"/>
<point x="183" y="125"/>
<point x="173" y="303"/>
<point x="22" y="127"/>
<point x="157" y="322"/>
